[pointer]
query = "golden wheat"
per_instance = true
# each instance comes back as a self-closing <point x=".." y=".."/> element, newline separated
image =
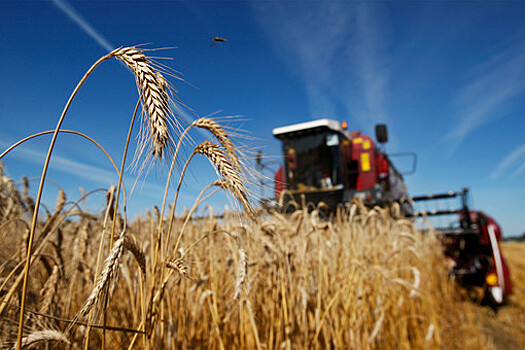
<point x="106" y="280"/>
<point x="131" y="245"/>
<point x="218" y="131"/>
<point x="224" y="167"/>
<point x="363" y="278"/>
<point x="155" y="96"/>
<point x="49" y="291"/>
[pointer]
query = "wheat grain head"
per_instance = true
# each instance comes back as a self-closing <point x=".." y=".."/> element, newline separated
<point x="221" y="135"/>
<point x="233" y="179"/>
<point x="106" y="280"/>
<point x="49" y="291"/>
<point x="155" y="94"/>
<point x="41" y="337"/>
<point x="179" y="265"/>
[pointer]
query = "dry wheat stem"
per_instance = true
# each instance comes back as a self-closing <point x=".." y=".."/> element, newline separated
<point x="114" y="206"/>
<point x="121" y="175"/>
<point x="196" y="204"/>
<point x="39" y="198"/>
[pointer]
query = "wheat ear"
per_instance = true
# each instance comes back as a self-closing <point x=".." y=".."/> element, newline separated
<point x="224" y="167"/>
<point x="221" y="135"/>
<point x="242" y="270"/>
<point x="30" y="203"/>
<point x="137" y="252"/>
<point x="155" y="96"/>
<point x="80" y="245"/>
<point x="107" y="278"/>
<point x="110" y="201"/>
<point x="45" y="336"/>
<point x="61" y="202"/>
<point x="179" y="265"/>
<point x="49" y="291"/>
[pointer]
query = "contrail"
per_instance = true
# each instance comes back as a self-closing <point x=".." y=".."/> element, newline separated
<point x="65" y="7"/>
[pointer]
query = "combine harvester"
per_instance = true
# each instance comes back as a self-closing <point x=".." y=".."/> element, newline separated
<point x="327" y="166"/>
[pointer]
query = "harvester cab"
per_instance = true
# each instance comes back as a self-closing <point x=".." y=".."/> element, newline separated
<point x="327" y="164"/>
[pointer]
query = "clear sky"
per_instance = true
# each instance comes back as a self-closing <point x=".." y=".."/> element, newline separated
<point x="448" y="78"/>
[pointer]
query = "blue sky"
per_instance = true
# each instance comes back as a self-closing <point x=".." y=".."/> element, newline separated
<point x="448" y="78"/>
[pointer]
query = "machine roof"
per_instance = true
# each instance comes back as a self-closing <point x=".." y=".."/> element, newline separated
<point x="314" y="124"/>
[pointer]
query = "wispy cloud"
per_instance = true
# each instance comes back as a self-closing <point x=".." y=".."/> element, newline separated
<point x="336" y="48"/>
<point x="370" y="68"/>
<point x="93" y="174"/>
<point x="515" y="159"/>
<point x="519" y="170"/>
<point x="489" y="89"/>
<point x="69" y="11"/>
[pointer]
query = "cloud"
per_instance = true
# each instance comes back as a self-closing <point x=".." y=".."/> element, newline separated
<point x="519" y="170"/>
<point x="509" y="162"/>
<point x="337" y="50"/>
<point x="69" y="11"/>
<point x="308" y="42"/>
<point x="490" y="88"/>
<point x="93" y="174"/>
<point x="370" y="67"/>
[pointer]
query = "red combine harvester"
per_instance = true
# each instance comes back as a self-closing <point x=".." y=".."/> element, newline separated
<point x="324" y="163"/>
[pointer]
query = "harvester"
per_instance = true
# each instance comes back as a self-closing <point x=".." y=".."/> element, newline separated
<point x="326" y="165"/>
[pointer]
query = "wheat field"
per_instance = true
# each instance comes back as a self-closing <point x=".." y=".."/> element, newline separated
<point x="363" y="278"/>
